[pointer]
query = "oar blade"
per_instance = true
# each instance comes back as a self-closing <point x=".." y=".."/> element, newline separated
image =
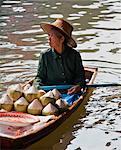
<point x="102" y="85"/>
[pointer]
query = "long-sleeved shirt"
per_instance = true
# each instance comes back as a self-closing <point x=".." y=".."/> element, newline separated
<point x="55" y="69"/>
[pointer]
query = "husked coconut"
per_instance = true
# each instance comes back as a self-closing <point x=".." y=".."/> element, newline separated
<point x="3" y="110"/>
<point x="56" y="94"/>
<point x="61" y="104"/>
<point x="50" y="109"/>
<point x="6" y="102"/>
<point x="49" y="94"/>
<point x="40" y="93"/>
<point x="31" y="93"/>
<point x="47" y="98"/>
<point x="35" y="107"/>
<point x="26" y="87"/>
<point x="14" y="91"/>
<point x="21" y="105"/>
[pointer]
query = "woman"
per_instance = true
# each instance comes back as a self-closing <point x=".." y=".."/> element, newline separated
<point x="60" y="64"/>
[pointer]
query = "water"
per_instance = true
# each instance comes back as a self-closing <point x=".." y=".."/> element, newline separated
<point x="97" y="30"/>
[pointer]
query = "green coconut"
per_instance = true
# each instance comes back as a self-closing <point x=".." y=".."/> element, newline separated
<point x="31" y="93"/>
<point x="6" y="103"/>
<point x="56" y="94"/>
<point x="14" y="91"/>
<point x="35" y="107"/>
<point x="47" y="98"/>
<point x="50" y="109"/>
<point x="21" y="105"/>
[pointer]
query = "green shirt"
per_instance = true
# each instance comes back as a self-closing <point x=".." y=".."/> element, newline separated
<point x="56" y="69"/>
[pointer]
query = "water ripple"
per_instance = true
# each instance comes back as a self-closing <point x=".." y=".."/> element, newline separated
<point x="11" y="56"/>
<point x="11" y="2"/>
<point x="7" y="45"/>
<point x="28" y="31"/>
<point x="19" y="9"/>
<point x="2" y="24"/>
<point x="27" y="4"/>
<point x="4" y="17"/>
<point x="73" y="18"/>
<point x="93" y="6"/>
<point x="112" y="25"/>
<point x="6" y="6"/>
<point x="42" y="17"/>
<point x="29" y="39"/>
<point x="56" y="16"/>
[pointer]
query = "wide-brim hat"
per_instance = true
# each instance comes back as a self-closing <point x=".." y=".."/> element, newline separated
<point x="63" y="27"/>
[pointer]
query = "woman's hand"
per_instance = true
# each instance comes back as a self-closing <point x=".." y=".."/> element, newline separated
<point x="74" y="89"/>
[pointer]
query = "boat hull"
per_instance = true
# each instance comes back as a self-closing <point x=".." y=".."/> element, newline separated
<point x="8" y="143"/>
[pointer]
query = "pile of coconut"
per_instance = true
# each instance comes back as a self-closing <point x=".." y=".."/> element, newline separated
<point x="30" y="100"/>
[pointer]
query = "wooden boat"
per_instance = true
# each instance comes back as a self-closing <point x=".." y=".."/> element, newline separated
<point x="51" y="125"/>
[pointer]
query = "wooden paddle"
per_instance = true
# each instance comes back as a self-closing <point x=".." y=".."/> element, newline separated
<point x="103" y="85"/>
<point x="63" y="87"/>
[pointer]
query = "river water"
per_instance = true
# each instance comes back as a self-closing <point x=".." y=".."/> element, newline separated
<point x="97" y="30"/>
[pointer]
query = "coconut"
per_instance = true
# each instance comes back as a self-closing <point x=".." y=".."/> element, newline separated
<point x="40" y="93"/>
<point x="35" y="107"/>
<point x="61" y="104"/>
<point x="21" y="105"/>
<point x="56" y="94"/>
<point x="14" y="91"/>
<point x="26" y="87"/>
<point x="49" y="94"/>
<point x="47" y="98"/>
<point x="50" y="109"/>
<point x="6" y="102"/>
<point x="3" y="110"/>
<point x="31" y="93"/>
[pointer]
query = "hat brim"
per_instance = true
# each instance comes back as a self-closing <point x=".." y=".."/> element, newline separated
<point x="48" y="27"/>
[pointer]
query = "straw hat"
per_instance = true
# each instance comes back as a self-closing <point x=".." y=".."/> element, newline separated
<point x="63" y="27"/>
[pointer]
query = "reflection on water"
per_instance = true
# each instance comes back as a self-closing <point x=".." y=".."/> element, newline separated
<point x="97" y="29"/>
<point x="101" y="124"/>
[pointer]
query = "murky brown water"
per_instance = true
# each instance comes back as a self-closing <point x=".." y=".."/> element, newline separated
<point x="97" y="25"/>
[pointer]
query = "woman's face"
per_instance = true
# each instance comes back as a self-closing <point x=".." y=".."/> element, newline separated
<point x="55" y="39"/>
